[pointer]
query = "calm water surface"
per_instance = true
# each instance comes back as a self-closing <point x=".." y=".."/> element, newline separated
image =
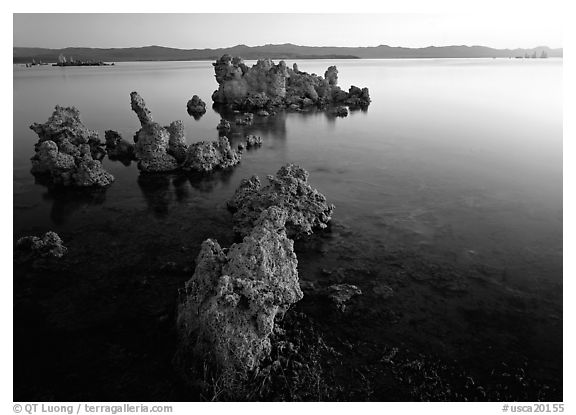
<point x="457" y="161"/>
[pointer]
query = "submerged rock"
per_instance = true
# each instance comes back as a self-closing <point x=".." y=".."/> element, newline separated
<point x="253" y="141"/>
<point x="340" y="294"/>
<point x="205" y="156"/>
<point x="155" y="145"/>
<point x="117" y="147"/>
<point x="230" y="304"/>
<point x="265" y="86"/>
<point x="196" y="107"/>
<point x="306" y="208"/>
<point x="49" y="245"/>
<point x="66" y="150"/>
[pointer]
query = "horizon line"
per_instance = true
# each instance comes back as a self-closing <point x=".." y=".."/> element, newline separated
<point x="287" y="43"/>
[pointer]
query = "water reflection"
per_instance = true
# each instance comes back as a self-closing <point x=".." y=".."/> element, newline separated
<point x="207" y="183"/>
<point x="156" y="191"/>
<point x="164" y="191"/>
<point x="67" y="201"/>
<point x="273" y="125"/>
<point x="196" y="116"/>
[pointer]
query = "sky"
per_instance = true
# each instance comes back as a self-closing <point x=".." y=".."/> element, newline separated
<point x="198" y="31"/>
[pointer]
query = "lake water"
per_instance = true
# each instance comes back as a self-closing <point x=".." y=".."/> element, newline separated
<point x="453" y="175"/>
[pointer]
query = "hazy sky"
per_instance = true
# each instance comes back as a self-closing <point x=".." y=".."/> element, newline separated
<point x="222" y="30"/>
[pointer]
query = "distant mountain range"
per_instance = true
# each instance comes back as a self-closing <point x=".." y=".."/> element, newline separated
<point x="284" y="51"/>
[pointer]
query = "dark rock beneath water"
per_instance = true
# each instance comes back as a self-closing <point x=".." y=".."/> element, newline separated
<point x="230" y="304"/>
<point x="340" y="294"/>
<point x="49" y="245"/>
<point x="66" y="149"/>
<point x="206" y="156"/>
<point x="382" y="290"/>
<point x="306" y="208"/>
<point x="196" y="107"/>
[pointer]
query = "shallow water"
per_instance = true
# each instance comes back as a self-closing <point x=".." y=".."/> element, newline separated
<point x="456" y="162"/>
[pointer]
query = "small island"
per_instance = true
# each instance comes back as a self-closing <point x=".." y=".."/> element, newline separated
<point x="62" y="61"/>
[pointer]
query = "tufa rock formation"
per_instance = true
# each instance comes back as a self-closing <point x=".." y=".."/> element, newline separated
<point x="196" y="107"/>
<point x="118" y="148"/>
<point x="245" y="119"/>
<point x="253" y="141"/>
<point x="340" y="111"/>
<point x="230" y="304"/>
<point x="177" y="141"/>
<point x="155" y="145"/>
<point x="265" y="86"/>
<point x="223" y="127"/>
<point x="206" y="156"/>
<point x="68" y="153"/>
<point x="160" y="149"/>
<point x="305" y="207"/>
<point x="49" y="245"/>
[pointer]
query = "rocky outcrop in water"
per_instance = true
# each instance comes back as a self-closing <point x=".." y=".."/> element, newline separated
<point x="223" y="127"/>
<point x="160" y="149"/>
<point x="245" y="119"/>
<point x="253" y="141"/>
<point x="340" y="111"/>
<point x="206" y="156"/>
<point x="357" y="98"/>
<point x="50" y="245"/>
<point x="331" y="75"/>
<point x="237" y="81"/>
<point x="65" y="151"/>
<point x="230" y="304"/>
<point x="155" y="145"/>
<point x="196" y="107"/>
<point x="118" y="148"/>
<point x="289" y="190"/>
<point x="341" y="294"/>
<point x="177" y="142"/>
<point x="250" y="141"/>
<point x="266" y="85"/>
